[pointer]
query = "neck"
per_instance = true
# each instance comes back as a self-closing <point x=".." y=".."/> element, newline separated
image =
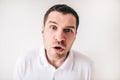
<point x="56" y="61"/>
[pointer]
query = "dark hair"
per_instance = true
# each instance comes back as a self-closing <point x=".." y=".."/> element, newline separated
<point x="63" y="8"/>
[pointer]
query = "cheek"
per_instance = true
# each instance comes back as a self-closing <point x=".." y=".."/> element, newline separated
<point x="47" y="33"/>
<point x="70" y="40"/>
<point x="48" y="38"/>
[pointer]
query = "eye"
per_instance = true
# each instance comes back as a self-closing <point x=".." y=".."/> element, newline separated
<point x="67" y="30"/>
<point x="53" y="27"/>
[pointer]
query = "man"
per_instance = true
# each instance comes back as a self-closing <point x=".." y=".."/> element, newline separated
<point x="56" y="60"/>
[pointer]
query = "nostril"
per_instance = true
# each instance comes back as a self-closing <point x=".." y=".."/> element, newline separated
<point x="62" y="42"/>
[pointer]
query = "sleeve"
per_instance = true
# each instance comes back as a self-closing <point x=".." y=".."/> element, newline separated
<point x="19" y="69"/>
<point x="91" y="72"/>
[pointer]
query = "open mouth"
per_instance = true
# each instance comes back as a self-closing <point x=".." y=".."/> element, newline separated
<point x="58" y="48"/>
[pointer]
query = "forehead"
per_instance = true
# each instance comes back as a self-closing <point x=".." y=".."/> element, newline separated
<point x="61" y="19"/>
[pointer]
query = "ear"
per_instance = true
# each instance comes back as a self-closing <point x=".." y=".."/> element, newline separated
<point x="43" y="28"/>
<point x="76" y="32"/>
<point x="42" y="31"/>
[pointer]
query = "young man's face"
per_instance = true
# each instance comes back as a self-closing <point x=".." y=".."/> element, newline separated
<point x="59" y="33"/>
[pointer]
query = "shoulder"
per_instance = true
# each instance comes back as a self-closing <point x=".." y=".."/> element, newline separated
<point x="80" y="58"/>
<point x="83" y="64"/>
<point x="26" y="60"/>
<point x="24" y="64"/>
<point x="31" y="55"/>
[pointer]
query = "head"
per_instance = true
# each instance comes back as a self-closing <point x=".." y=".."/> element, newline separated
<point x="62" y="8"/>
<point x="59" y="30"/>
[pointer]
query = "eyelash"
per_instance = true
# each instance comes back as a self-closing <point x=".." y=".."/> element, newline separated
<point x="67" y="30"/>
<point x="53" y="27"/>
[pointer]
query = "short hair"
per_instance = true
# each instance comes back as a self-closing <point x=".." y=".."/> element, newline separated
<point x="63" y="8"/>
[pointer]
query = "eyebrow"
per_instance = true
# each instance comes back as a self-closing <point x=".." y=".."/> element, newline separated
<point x="52" y="22"/>
<point x="71" y="27"/>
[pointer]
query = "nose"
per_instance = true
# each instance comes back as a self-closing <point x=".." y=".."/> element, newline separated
<point x="60" y="36"/>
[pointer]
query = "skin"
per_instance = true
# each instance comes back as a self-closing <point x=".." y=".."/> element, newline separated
<point x="58" y="31"/>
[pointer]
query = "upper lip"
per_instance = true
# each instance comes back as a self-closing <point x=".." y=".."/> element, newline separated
<point x="60" y="46"/>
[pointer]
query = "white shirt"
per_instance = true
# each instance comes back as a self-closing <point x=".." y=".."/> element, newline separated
<point x="34" y="66"/>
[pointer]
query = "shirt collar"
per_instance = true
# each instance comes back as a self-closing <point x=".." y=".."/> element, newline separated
<point x="67" y="65"/>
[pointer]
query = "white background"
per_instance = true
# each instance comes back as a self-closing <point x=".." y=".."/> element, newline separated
<point x="98" y="34"/>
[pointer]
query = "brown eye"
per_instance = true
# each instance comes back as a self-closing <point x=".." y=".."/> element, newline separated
<point x="53" y="27"/>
